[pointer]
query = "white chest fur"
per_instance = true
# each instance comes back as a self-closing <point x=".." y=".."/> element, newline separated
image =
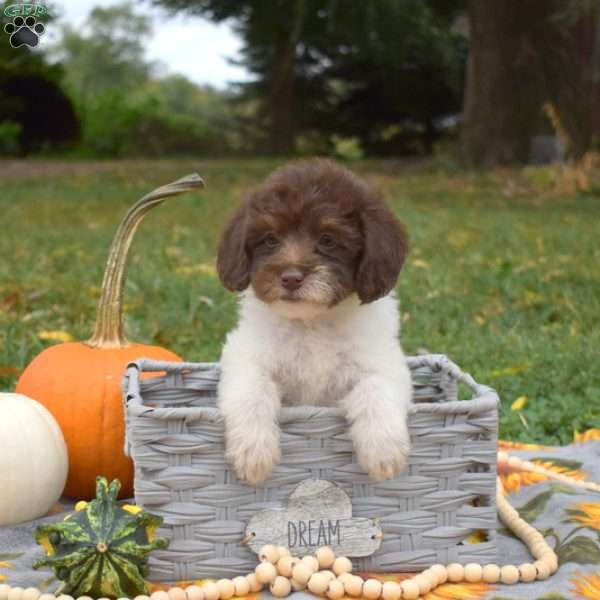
<point x="317" y="360"/>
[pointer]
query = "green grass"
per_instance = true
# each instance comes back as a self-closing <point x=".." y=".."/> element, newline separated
<point x="503" y="276"/>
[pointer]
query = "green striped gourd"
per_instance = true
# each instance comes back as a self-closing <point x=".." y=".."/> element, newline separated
<point x="100" y="550"/>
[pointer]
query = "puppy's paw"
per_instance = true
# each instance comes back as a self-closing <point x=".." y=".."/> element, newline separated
<point x="254" y="458"/>
<point x="381" y="455"/>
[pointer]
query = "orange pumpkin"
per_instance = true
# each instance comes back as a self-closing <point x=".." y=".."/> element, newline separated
<point x="80" y="382"/>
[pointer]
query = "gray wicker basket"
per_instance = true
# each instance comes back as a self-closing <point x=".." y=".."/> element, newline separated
<point x="174" y="433"/>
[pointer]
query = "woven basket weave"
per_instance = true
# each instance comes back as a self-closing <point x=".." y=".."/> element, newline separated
<point x="174" y="433"/>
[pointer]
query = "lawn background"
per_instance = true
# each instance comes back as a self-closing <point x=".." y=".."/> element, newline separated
<point x="503" y="275"/>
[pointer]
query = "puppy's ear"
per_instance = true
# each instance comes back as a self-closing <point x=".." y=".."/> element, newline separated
<point x="233" y="264"/>
<point x="385" y="248"/>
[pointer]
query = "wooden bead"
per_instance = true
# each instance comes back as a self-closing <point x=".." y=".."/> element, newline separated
<point x="47" y="597"/>
<point x="456" y="572"/>
<point x="241" y="586"/>
<point x="211" y="590"/>
<point x="283" y="551"/>
<point x="269" y="553"/>
<point x="390" y="590"/>
<point x="491" y="573"/>
<point x="410" y="589"/>
<point x="265" y="572"/>
<point x="311" y="562"/>
<point x="254" y="583"/>
<point x="31" y="593"/>
<point x="423" y="583"/>
<point x="297" y="586"/>
<point x="551" y="560"/>
<point x="61" y="597"/>
<point x="527" y="572"/>
<point x="372" y="589"/>
<point x="4" y="589"/>
<point x="318" y="583"/>
<point x="15" y="593"/>
<point x="177" y="593"/>
<point x="302" y="572"/>
<point x="473" y="572"/>
<point x="285" y="565"/>
<point x="431" y="577"/>
<point x="336" y="590"/>
<point x="280" y="586"/>
<point x="159" y="595"/>
<point x="342" y="565"/>
<point x="353" y="586"/>
<point x="509" y="574"/>
<point x="441" y="573"/>
<point x="345" y="577"/>
<point x="329" y="574"/>
<point x="543" y="570"/>
<point x="226" y="589"/>
<point x="325" y="556"/>
<point x="193" y="592"/>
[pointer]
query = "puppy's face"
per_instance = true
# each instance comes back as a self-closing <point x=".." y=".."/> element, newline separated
<point x="309" y="237"/>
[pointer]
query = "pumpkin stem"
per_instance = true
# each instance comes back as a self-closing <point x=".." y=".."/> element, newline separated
<point x="108" y="331"/>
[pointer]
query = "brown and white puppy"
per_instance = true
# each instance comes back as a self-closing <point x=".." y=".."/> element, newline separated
<point x="316" y="253"/>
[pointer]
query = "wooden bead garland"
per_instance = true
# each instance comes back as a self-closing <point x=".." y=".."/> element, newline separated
<point x="285" y="573"/>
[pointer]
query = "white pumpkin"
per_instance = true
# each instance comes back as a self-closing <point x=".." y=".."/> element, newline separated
<point x="33" y="459"/>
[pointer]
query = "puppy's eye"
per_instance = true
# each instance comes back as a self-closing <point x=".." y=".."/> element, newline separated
<point x="270" y="240"/>
<point x="327" y="241"/>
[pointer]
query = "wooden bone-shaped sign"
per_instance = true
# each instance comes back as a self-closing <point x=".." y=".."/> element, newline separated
<point x="319" y="513"/>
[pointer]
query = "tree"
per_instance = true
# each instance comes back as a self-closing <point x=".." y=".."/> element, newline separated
<point x="524" y="53"/>
<point x="350" y="68"/>
<point x="35" y="113"/>
<point x="107" y="53"/>
<point x="271" y="32"/>
<point x="395" y="69"/>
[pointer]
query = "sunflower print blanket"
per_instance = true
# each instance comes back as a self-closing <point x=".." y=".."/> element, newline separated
<point x="568" y="517"/>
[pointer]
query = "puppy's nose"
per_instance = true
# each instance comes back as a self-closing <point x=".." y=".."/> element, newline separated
<point x="291" y="279"/>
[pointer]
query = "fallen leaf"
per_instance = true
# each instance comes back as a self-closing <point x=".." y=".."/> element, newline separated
<point x="421" y="264"/>
<point x="8" y="370"/>
<point x="519" y="403"/>
<point x="510" y="370"/>
<point x="55" y="336"/>
<point x="204" y="268"/>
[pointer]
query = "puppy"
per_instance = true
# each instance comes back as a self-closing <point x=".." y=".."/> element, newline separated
<point x="315" y="253"/>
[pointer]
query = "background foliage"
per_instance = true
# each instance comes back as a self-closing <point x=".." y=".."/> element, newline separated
<point x="336" y="77"/>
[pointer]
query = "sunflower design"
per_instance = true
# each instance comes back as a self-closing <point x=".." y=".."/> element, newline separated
<point x="459" y="591"/>
<point x="586" y="586"/>
<point x="587" y="514"/>
<point x="587" y="436"/>
<point x="5" y="565"/>
<point x="507" y="445"/>
<point x="514" y="480"/>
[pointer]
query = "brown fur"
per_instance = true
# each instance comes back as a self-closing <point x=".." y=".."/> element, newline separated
<point x="318" y="217"/>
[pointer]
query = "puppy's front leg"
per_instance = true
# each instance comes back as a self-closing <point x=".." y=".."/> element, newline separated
<point x="377" y="410"/>
<point x="249" y="401"/>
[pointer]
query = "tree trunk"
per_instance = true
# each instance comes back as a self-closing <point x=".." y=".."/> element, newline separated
<point x="506" y="82"/>
<point x="281" y="101"/>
